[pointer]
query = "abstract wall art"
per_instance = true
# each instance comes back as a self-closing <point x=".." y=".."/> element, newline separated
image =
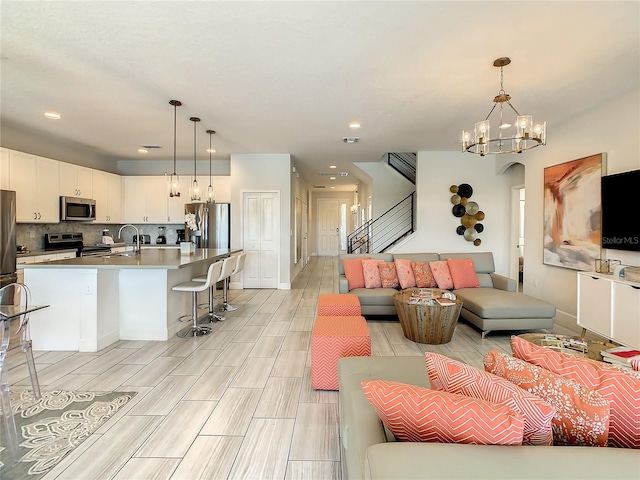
<point x="573" y="213"/>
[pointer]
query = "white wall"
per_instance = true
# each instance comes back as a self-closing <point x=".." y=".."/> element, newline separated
<point x="263" y="173"/>
<point x="299" y="190"/>
<point x="436" y="225"/>
<point x="613" y="128"/>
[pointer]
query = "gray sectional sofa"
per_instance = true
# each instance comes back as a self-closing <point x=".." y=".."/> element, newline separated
<point x="494" y="306"/>
<point x="370" y="451"/>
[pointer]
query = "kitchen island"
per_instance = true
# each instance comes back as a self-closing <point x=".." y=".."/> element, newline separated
<point x="96" y="301"/>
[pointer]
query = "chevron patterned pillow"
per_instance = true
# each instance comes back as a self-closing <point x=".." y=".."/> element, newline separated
<point x="619" y="386"/>
<point x="417" y="414"/>
<point x="451" y="376"/>
<point x="582" y="415"/>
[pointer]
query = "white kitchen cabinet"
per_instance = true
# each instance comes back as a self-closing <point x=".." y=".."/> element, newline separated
<point x="4" y="169"/>
<point x="147" y="200"/>
<point x="75" y="181"/>
<point x="107" y="192"/>
<point x="175" y="207"/>
<point x="36" y="182"/>
<point x="609" y="306"/>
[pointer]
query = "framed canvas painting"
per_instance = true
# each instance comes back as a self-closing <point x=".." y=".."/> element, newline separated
<point x="573" y="213"/>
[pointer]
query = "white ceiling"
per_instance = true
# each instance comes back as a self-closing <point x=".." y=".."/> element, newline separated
<point x="288" y="77"/>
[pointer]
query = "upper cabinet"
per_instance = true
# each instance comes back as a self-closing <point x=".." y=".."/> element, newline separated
<point x="145" y="200"/>
<point x="107" y="192"/>
<point x="4" y="168"/>
<point x="35" y="180"/>
<point x="75" y="181"/>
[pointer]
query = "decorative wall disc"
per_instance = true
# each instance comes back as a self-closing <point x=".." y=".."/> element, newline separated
<point x="470" y="234"/>
<point x="463" y="200"/>
<point x="468" y="220"/>
<point x="458" y="210"/>
<point x="453" y="189"/>
<point x="480" y="215"/>
<point x="477" y="242"/>
<point x="479" y="227"/>
<point x="455" y="199"/>
<point x="460" y="230"/>
<point x="472" y="208"/>
<point x="465" y="190"/>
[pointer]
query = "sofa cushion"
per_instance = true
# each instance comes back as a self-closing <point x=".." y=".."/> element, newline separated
<point x="619" y="386"/>
<point x="417" y="414"/>
<point x="353" y="271"/>
<point x="582" y="415"/>
<point x="406" y="278"/>
<point x="441" y="273"/>
<point x="452" y="376"/>
<point x="372" y="297"/>
<point x="494" y="303"/>
<point x="463" y="273"/>
<point x="371" y="273"/>
<point x="388" y="275"/>
<point x="423" y="274"/>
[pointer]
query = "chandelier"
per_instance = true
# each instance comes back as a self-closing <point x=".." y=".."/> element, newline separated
<point x="511" y="138"/>
<point x="210" y="194"/>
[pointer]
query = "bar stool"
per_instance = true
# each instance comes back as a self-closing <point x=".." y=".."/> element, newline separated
<point x="194" y="287"/>
<point x="237" y="269"/>
<point x="228" y="265"/>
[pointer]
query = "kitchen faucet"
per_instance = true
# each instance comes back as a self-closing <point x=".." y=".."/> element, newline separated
<point x="137" y="246"/>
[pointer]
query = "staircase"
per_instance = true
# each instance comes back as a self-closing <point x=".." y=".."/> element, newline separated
<point x="379" y="234"/>
<point x="404" y="163"/>
<point x="396" y="223"/>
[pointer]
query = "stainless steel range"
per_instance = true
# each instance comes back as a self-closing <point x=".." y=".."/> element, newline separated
<point x="65" y="241"/>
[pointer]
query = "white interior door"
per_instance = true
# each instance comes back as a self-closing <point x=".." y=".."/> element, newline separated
<point x="517" y="231"/>
<point x="328" y="226"/>
<point x="260" y="232"/>
<point x="305" y="234"/>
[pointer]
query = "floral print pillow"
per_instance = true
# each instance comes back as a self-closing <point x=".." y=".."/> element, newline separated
<point x="424" y="277"/>
<point x="388" y="275"/>
<point x="582" y="415"/>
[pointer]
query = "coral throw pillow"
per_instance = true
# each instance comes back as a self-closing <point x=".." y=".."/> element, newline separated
<point x="619" y="386"/>
<point x="388" y="275"/>
<point x="441" y="273"/>
<point x="463" y="273"/>
<point x="456" y="377"/>
<point x="582" y="415"/>
<point x="371" y="273"/>
<point x="424" y="277"/>
<point x="405" y="273"/>
<point x="353" y="271"/>
<point x="418" y="414"/>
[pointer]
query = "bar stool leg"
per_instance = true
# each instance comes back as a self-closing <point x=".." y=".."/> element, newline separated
<point x="195" y="330"/>
<point x="226" y="307"/>
<point x="212" y="314"/>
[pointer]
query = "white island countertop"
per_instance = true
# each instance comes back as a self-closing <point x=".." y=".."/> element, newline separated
<point x="164" y="258"/>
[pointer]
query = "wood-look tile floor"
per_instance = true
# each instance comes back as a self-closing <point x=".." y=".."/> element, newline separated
<point x="237" y="403"/>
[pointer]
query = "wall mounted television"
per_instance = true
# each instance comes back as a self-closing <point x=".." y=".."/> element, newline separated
<point x="620" y="225"/>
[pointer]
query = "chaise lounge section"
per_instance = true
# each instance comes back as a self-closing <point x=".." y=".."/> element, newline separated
<point x="496" y="305"/>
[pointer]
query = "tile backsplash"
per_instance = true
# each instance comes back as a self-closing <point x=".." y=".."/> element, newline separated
<point x="32" y="234"/>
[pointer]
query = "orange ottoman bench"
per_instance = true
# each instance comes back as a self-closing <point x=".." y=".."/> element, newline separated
<point x="331" y="339"/>
<point x="338" y="304"/>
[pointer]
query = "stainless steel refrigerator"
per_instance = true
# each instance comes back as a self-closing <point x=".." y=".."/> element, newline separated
<point x="7" y="237"/>
<point x="208" y="225"/>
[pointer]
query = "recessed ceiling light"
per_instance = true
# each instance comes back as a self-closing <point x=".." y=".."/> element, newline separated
<point x="143" y="150"/>
<point x="333" y="187"/>
<point x="354" y="125"/>
<point x="52" y="115"/>
<point x="332" y="166"/>
<point x="332" y="178"/>
<point x="211" y="150"/>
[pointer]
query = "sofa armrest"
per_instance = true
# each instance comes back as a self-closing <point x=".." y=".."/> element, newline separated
<point x="503" y="283"/>
<point x="343" y="284"/>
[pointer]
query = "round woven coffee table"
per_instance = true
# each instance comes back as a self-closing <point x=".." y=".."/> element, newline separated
<point x="433" y="324"/>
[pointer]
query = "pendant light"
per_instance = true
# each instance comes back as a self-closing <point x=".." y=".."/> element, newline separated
<point x="195" y="189"/>
<point x="210" y="150"/>
<point x="174" y="181"/>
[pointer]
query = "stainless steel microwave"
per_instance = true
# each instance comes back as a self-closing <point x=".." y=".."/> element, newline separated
<point x="74" y="209"/>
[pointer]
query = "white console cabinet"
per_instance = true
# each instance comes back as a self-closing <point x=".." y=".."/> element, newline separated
<point x="610" y="306"/>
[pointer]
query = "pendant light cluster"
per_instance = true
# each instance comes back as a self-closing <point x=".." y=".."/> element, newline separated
<point x="174" y="185"/>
